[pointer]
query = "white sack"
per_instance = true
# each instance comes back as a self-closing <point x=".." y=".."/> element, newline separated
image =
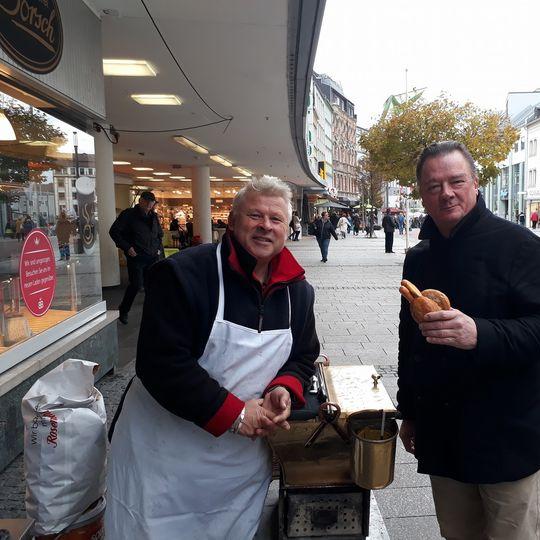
<point x="65" y="434"/>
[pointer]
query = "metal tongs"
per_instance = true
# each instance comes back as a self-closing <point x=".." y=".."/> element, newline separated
<point x="329" y="414"/>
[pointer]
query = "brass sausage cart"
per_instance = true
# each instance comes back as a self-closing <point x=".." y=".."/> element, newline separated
<point x="339" y="447"/>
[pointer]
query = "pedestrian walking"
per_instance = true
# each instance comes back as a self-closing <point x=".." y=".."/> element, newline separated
<point x="357" y="224"/>
<point x="137" y="232"/>
<point x="534" y="219"/>
<point x="521" y="219"/>
<point x="343" y="225"/>
<point x="469" y="377"/>
<point x="296" y="226"/>
<point x="27" y="227"/>
<point x="323" y="231"/>
<point x="401" y="222"/>
<point x="63" y="229"/>
<point x="388" y="225"/>
<point x="334" y="218"/>
<point x="215" y="375"/>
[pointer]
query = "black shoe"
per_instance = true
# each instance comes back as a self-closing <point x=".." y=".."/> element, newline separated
<point x="123" y="318"/>
<point x="324" y="260"/>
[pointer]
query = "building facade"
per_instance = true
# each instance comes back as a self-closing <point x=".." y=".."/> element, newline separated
<point x="319" y="135"/>
<point x="514" y="190"/>
<point x="344" y="139"/>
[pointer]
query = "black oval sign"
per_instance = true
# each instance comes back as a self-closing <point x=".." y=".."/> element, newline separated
<point x="31" y="33"/>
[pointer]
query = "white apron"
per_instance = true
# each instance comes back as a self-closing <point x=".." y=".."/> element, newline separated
<point x="169" y="479"/>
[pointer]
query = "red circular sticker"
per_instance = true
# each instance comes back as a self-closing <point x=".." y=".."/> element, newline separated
<point x="37" y="272"/>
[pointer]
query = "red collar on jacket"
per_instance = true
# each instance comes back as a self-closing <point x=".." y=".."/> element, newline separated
<point x="284" y="268"/>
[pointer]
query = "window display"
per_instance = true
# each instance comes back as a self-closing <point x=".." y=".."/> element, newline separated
<point x="47" y="205"/>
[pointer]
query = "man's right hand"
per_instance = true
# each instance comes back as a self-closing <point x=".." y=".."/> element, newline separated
<point x="406" y="434"/>
<point x="257" y="422"/>
<point x="131" y="252"/>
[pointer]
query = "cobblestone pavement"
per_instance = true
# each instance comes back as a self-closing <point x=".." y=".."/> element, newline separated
<point x="356" y="307"/>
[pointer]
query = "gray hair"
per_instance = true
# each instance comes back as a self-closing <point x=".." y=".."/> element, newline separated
<point x="441" y="149"/>
<point x="265" y="185"/>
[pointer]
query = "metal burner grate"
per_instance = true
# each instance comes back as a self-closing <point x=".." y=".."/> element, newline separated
<point x="311" y="515"/>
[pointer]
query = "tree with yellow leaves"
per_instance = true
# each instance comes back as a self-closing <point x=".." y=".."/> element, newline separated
<point x="394" y="144"/>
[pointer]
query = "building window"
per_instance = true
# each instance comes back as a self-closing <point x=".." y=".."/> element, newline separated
<point x="533" y="147"/>
<point x="532" y="178"/>
<point x="522" y="144"/>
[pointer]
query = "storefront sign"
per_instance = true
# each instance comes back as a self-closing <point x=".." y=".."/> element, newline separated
<point x="31" y="33"/>
<point x="37" y="272"/>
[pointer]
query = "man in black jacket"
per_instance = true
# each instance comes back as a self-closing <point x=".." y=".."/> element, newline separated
<point x="323" y="230"/>
<point x="388" y="225"/>
<point x="469" y="377"/>
<point x="137" y="232"/>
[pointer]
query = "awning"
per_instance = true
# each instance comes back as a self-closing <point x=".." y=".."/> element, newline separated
<point x="330" y="204"/>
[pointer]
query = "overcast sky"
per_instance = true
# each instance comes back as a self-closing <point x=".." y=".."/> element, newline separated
<point x="473" y="50"/>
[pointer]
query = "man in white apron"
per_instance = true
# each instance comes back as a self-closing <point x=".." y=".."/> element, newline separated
<point x="227" y="343"/>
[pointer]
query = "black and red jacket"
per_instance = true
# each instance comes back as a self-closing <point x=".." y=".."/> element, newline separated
<point x="179" y="310"/>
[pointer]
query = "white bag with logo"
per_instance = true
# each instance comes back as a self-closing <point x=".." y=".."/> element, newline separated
<point x="65" y="434"/>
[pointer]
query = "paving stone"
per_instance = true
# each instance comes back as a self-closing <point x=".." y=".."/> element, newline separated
<point x="413" y="528"/>
<point x="416" y="501"/>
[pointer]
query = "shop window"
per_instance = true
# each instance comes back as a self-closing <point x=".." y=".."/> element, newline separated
<point x="30" y="205"/>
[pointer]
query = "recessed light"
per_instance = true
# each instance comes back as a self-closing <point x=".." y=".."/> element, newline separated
<point x="121" y="162"/>
<point x="178" y="177"/>
<point x="216" y="179"/>
<point x="221" y="160"/>
<point x="155" y="179"/>
<point x="162" y="173"/>
<point x="241" y="177"/>
<point x="156" y="99"/>
<point x="142" y="168"/>
<point x="128" y="68"/>
<point x="244" y="172"/>
<point x="144" y="177"/>
<point x="191" y="145"/>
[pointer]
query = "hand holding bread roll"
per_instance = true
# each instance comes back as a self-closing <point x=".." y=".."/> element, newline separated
<point x="423" y="302"/>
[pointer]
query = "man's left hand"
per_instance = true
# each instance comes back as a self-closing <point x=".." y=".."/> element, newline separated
<point x="450" y="327"/>
<point x="278" y="402"/>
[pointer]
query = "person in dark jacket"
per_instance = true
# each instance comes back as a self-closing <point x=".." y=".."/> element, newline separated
<point x="323" y="230"/>
<point x="137" y="232"/>
<point x="227" y="345"/>
<point x="469" y="377"/>
<point x="388" y="225"/>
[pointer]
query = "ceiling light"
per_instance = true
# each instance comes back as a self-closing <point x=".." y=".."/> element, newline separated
<point x="241" y="177"/>
<point x="6" y="129"/>
<point x="39" y="143"/>
<point x="128" y="68"/>
<point x="178" y="177"/>
<point x="191" y="145"/>
<point x="245" y="172"/>
<point x="162" y="173"/>
<point x="155" y="179"/>
<point x="142" y="168"/>
<point x="216" y="179"/>
<point x="221" y="160"/>
<point x="156" y="99"/>
<point x="121" y="162"/>
<point x="144" y="178"/>
<point x="213" y="177"/>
